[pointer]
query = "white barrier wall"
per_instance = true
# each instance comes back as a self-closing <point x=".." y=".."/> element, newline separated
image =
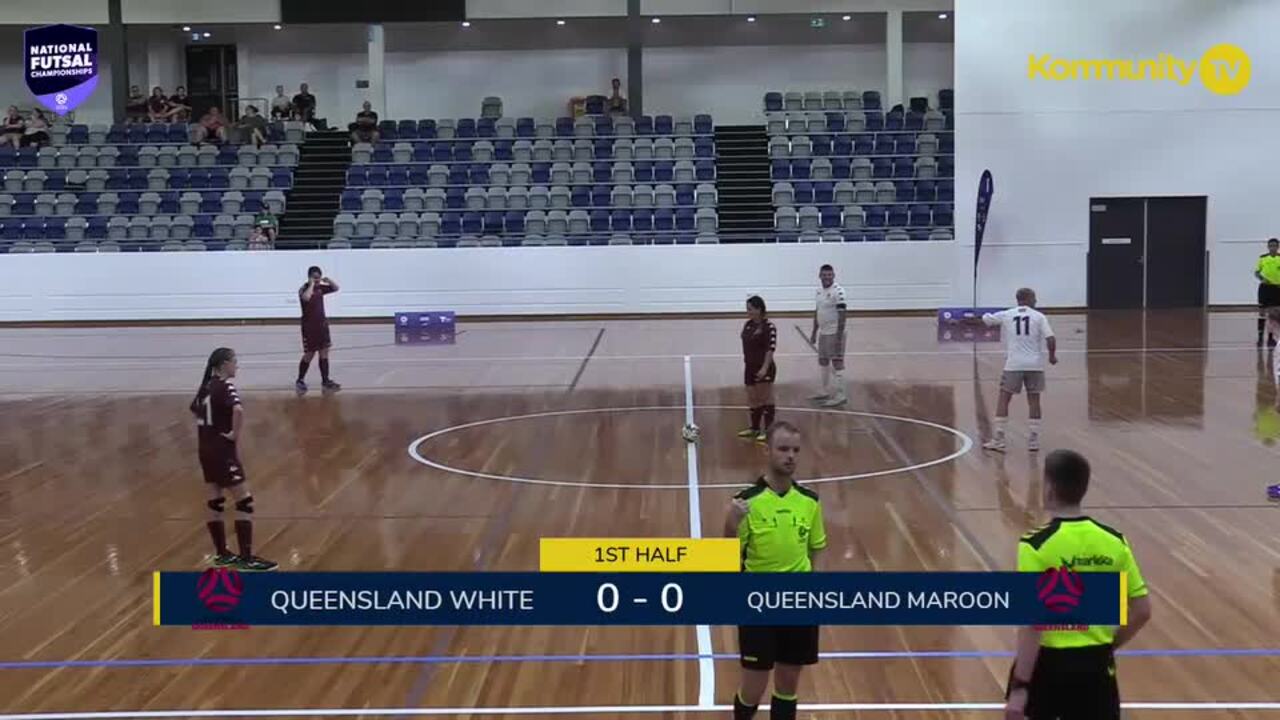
<point x="1052" y="144"/>
<point x="473" y="281"/>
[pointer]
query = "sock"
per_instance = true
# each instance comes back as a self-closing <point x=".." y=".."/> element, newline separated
<point x="324" y="369"/>
<point x="1000" y="424"/>
<point x="756" y="412"/>
<point x="218" y="533"/>
<point x="782" y="708"/>
<point x="303" y="366"/>
<point x="837" y="381"/>
<point x="244" y="536"/>
<point x="768" y="412"/>
<point x="826" y="379"/>
<point x="1262" y="327"/>
<point x="1033" y="426"/>
<point x="741" y="710"/>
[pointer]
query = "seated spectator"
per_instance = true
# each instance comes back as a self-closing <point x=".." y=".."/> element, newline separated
<point x="37" y="132"/>
<point x="617" y="105"/>
<point x="281" y="105"/>
<point x="179" y="105"/>
<point x="252" y="127"/>
<point x="14" y="128"/>
<point x="266" y="223"/>
<point x="260" y="240"/>
<point x="135" y="108"/>
<point x="212" y="127"/>
<point x="157" y="105"/>
<point x="365" y="128"/>
<point x="304" y="104"/>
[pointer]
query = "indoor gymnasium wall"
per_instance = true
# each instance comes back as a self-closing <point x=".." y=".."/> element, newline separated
<point x="1052" y="144"/>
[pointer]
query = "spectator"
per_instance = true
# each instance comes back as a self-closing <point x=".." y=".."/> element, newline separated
<point x="260" y="239"/>
<point x="281" y="105"/>
<point x="212" y="127"/>
<point x="37" y="132"/>
<point x="14" y="128"/>
<point x="617" y="105"/>
<point x="179" y="105"/>
<point x="136" y="106"/>
<point x="365" y="128"/>
<point x="157" y="105"/>
<point x="304" y="104"/>
<point x="265" y="222"/>
<point x="253" y="127"/>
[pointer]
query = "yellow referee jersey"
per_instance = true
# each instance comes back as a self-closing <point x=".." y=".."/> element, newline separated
<point x="1269" y="268"/>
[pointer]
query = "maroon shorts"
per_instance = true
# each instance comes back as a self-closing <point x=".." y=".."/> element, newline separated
<point x="751" y="369"/>
<point x="222" y="466"/>
<point x="315" y="339"/>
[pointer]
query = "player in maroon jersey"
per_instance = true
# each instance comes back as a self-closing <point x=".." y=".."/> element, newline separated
<point x="220" y="417"/>
<point x="315" y="327"/>
<point x="759" y="341"/>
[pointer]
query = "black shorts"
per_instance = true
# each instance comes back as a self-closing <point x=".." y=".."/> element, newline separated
<point x="1074" y="684"/>
<point x="760" y="646"/>
<point x="750" y="369"/>
<point x="222" y="466"/>
<point x="315" y="339"/>
<point x="1268" y="295"/>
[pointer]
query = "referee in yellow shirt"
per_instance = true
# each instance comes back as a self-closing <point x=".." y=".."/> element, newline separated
<point x="779" y="524"/>
<point x="1070" y="674"/>
<point x="1268" y="274"/>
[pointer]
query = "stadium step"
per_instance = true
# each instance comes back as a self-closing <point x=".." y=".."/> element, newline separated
<point x="314" y="200"/>
<point x="743" y="186"/>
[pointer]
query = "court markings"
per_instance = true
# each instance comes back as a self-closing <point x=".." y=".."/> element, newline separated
<point x="706" y="667"/>
<point x="965" y="445"/>
<point x="590" y="710"/>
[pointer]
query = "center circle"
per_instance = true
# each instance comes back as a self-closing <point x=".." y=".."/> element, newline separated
<point x="965" y="445"/>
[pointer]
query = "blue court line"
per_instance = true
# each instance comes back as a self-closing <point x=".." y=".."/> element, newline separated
<point x="658" y="657"/>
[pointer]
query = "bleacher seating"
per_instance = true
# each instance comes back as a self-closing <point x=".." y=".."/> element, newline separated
<point x="520" y="181"/>
<point x="139" y="187"/>
<point x="844" y="169"/>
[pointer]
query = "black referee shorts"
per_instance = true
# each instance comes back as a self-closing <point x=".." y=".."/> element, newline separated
<point x="761" y="646"/>
<point x="1074" y="684"/>
<point x="1268" y="295"/>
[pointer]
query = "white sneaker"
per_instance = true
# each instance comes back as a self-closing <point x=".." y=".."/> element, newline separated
<point x="835" y="400"/>
<point x="819" y="396"/>
<point x="996" y="445"/>
<point x="1033" y="442"/>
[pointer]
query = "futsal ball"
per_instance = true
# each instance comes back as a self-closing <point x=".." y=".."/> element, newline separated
<point x="220" y="589"/>
<point x="690" y="433"/>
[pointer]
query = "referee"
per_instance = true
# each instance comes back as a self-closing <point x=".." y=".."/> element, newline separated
<point x="1070" y="674"/>
<point x="1268" y="274"/>
<point x="779" y="524"/>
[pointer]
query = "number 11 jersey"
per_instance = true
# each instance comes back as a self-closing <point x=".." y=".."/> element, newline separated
<point x="1025" y="330"/>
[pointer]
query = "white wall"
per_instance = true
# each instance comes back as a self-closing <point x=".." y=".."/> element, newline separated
<point x="177" y="12"/>
<point x="48" y="12"/>
<point x="1051" y="145"/>
<point x="480" y="281"/>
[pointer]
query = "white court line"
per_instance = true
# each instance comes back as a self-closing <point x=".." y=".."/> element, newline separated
<point x="965" y="445"/>
<point x="706" y="665"/>
<point x="588" y="710"/>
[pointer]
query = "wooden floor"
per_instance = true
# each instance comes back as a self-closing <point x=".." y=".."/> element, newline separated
<point x="98" y="488"/>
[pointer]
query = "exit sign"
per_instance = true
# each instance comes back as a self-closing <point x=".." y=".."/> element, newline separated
<point x="817" y="22"/>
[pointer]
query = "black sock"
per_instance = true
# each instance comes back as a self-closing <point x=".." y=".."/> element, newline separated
<point x="244" y="536"/>
<point x="741" y="710"/>
<point x="782" y="708"/>
<point x="756" y="412"/>
<point x="324" y="369"/>
<point x="769" y="411"/>
<point x="1262" y="328"/>
<point x="218" y="533"/>
<point x="303" y="366"/>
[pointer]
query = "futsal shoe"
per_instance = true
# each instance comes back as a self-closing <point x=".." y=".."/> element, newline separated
<point x="819" y="397"/>
<point x="762" y="437"/>
<point x="748" y="434"/>
<point x="1273" y="493"/>
<point x="996" y="445"/>
<point x="301" y="387"/>
<point x="835" y="401"/>
<point x="224" y="560"/>
<point x="253" y="563"/>
<point x="1033" y="442"/>
<point x="331" y="386"/>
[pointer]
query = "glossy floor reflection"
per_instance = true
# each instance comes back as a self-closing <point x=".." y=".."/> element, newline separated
<point x="99" y="487"/>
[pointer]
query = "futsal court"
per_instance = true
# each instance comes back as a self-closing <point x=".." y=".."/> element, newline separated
<point x="460" y="457"/>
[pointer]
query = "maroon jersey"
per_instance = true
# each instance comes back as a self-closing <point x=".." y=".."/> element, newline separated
<point x="758" y="339"/>
<point x="315" y="324"/>
<point x="214" y="412"/>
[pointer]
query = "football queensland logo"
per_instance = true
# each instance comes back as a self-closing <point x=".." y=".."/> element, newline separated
<point x="60" y="64"/>
<point x="1223" y="69"/>
<point x="220" y="589"/>
<point x="1060" y="589"/>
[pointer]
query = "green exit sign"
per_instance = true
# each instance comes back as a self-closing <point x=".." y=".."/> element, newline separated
<point x="817" y="22"/>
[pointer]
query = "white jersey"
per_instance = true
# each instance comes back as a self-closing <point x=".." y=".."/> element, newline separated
<point x="1025" y="331"/>
<point x="829" y="302"/>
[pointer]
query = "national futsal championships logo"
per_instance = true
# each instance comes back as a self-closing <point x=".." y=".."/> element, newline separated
<point x="219" y="589"/>
<point x="1060" y="589"/>
<point x="1223" y="69"/>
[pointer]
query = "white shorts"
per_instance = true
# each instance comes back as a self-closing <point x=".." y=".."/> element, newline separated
<point x="830" y="347"/>
<point x="1012" y="381"/>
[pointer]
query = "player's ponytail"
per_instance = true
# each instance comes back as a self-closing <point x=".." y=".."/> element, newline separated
<point x="216" y="358"/>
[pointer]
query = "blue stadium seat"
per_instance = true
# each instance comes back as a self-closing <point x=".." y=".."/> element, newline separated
<point x="871" y="100"/>
<point x="898" y="215"/>
<point x="564" y="127"/>
<point x="904" y="168"/>
<point x="773" y="102"/>
<point x="906" y="145"/>
<point x="800" y="168"/>
<point x="643" y="171"/>
<point x="823" y="192"/>
<point x="455" y="198"/>
<point x="664" y="171"/>
<point x="926" y="191"/>
<point x="703" y="125"/>
<point x="893" y="122"/>
<point x="351" y="201"/>
<point x="604" y="126"/>
<point x="541" y="174"/>
<point x="581" y="197"/>
<point x="601" y="196"/>
<point x="494" y="222"/>
<point x="502" y="150"/>
<point x="946" y="167"/>
<point x="943" y="215"/>
<point x="685" y="194"/>
<point x="642" y="220"/>
<point x="407" y="130"/>
<point x="526" y="127"/>
<point x="602" y="172"/>
<point x="515" y="222"/>
<point x="451" y="224"/>
<point x="486" y="128"/>
<point x="875" y="121"/>
<point x="376" y="176"/>
<point x="836" y="122"/>
<point x="620" y="221"/>
<point x="594" y="105"/>
<point x="427" y="129"/>
<point x="914" y="121"/>
<point x="119" y="133"/>
<point x="472" y="223"/>
<point x="465" y="129"/>
<point x="831" y="217"/>
<point x="442" y="151"/>
<point x="78" y="135"/>
<point x="479" y="174"/>
<point x="841" y="168"/>
<point x="946" y="191"/>
<point x="822" y="145"/>
<point x="864" y="144"/>
<point x="644" y="126"/>
<point x="663" y="125"/>
<point x="599" y="221"/>
<point x="393" y="199"/>
<point x="705" y="170"/>
<point x="780" y="170"/>
<point x="462" y="152"/>
<point x="603" y="150"/>
<point x="906" y="191"/>
<point x="882" y="168"/>
<point x="921" y="216"/>
<point x="885" y="144"/>
<point x="874" y="216"/>
<point x="684" y="219"/>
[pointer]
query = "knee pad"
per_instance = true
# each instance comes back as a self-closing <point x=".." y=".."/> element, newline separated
<point x="245" y="506"/>
<point x="217" y="504"/>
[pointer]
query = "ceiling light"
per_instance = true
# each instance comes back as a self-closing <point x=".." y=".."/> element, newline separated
<point x="278" y="27"/>
<point x="942" y="16"/>
<point x="751" y="18"/>
<point x="186" y="28"/>
<point x="560" y="23"/>
<point x="847" y="18"/>
<point x="655" y="21"/>
<point x="208" y="34"/>
<point x="466" y="23"/>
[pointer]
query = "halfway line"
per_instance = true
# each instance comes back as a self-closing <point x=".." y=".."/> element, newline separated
<point x="706" y="667"/>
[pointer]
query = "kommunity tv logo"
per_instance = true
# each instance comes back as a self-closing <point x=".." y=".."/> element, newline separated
<point x="1223" y="69"/>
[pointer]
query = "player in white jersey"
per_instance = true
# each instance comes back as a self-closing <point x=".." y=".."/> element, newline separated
<point x="1027" y="335"/>
<point x="828" y="336"/>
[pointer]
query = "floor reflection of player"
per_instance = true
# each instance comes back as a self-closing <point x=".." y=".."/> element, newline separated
<point x="1267" y="416"/>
